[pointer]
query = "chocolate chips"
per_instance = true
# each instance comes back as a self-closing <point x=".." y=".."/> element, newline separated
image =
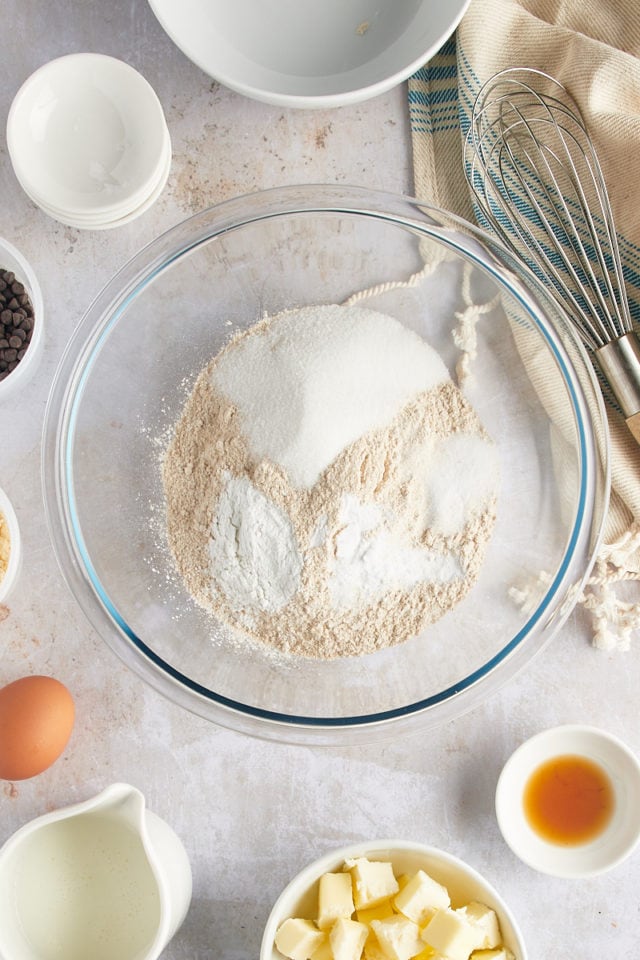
<point x="16" y="322"/>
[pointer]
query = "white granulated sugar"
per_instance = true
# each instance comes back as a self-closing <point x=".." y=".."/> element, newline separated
<point x="252" y="549"/>
<point x="369" y="560"/>
<point x="319" y="378"/>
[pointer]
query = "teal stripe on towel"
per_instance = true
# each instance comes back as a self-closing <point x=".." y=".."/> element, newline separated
<point x="468" y="87"/>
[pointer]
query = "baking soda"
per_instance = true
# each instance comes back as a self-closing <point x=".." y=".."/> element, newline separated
<point x="370" y="559"/>
<point x="252" y="549"/>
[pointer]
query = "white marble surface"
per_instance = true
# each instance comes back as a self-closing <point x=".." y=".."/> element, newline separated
<point x="253" y="813"/>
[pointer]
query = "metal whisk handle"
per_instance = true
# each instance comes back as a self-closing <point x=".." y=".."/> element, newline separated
<point x="619" y="361"/>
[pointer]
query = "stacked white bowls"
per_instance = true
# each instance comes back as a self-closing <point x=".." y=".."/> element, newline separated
<point x="88" y="141"/>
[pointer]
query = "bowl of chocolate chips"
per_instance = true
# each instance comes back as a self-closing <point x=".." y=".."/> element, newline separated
<point x="21" y="322"/>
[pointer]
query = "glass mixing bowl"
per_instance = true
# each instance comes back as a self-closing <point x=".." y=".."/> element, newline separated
<point x="128" y="369"/>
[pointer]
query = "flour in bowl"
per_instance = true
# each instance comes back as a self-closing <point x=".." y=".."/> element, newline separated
<point x="329" y="491"/>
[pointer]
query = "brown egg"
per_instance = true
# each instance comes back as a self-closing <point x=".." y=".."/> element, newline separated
<point x="36" y="720"/>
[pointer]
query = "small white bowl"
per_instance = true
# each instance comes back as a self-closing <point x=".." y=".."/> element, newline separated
<point x="618" y="838"/>
<point x="302" y="53"/>
<point x="98" y="217"/>
<point x="15" y="547"/>
<point x="127" y="218"/>
<point x="299" y="898"/>
<point x="87" y="136"/>
<point x="102" y="221"/>
<point x="12" y="259"/>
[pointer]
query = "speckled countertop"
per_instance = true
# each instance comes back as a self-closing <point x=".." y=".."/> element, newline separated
<point x="252" y="813"/>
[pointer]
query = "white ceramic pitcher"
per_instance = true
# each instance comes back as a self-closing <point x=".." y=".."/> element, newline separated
<point x="101" y="880"/>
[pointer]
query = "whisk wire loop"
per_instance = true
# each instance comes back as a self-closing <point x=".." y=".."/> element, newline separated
<point x="538" y="183"/>
<point x="570" y="249"/>
<point x="512" y="191"/>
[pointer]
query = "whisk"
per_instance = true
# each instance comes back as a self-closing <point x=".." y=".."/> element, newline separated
<point x="533" y="169"/>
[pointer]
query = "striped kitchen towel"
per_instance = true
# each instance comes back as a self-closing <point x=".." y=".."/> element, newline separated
<point x="593" y="48"/>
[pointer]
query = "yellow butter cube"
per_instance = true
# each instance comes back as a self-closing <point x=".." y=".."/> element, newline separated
<point x="372" y="949"/>
<point x="335" y="899"/>
<point x="381" y="911"/>
<point x="428" y="953"/>
<point x="501" y="953"/>
<point x="485" y="919"/>
<point x="421" y="897"/>
<point x="398" y="937"/>
<point x="373" y="881"/>
<point x="450" y="933"/>
<point x="297" y="938"/>
<point x="347" y="938"/>
<point x="323" y="952"/>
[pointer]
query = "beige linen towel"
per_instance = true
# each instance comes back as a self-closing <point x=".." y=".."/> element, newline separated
<point x="593" y="48"/>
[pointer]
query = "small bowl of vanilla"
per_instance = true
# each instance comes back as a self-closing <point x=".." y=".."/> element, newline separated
<point x="567" y="801"/>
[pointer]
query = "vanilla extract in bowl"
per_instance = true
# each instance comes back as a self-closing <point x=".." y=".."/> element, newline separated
<point x="569" y="800"/>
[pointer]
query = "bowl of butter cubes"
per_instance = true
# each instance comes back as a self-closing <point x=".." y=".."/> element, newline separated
<point x="391" y="900"/>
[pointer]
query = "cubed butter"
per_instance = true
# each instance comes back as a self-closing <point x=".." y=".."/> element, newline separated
<point x="501" y="953"/>
<point x="372" y="948"/>
<point x="347" y="939"/>
<point x="421" y="897"/>
<point x="373" y="881"/>
<point x="398" y="937"/>
<point x="451" y="933"/>
<point x="365" y="913"/>
<point x="381" y="911"/>
<point x="323" y="952"/>
<point x="428" y="953"/>
<point x="298" y="939"/>
<point x="335" y="899"/>
<point x="485" y="919"/>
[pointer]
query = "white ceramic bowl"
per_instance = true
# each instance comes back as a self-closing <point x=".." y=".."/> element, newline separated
<point x="623" y="830"/>
<point x="128" y="217"/>
<point x="103" y="216"/>
<point x="87" y="136"/>
<point x="300" y="896"/>
<point x="15" y="551"/>
<point x="12" y="259"/>
<point x="108" y="221"/>
<point x="301" y="53"/>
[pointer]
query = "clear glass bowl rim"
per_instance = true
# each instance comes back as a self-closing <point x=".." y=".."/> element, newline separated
<point x="75" y="564"/>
